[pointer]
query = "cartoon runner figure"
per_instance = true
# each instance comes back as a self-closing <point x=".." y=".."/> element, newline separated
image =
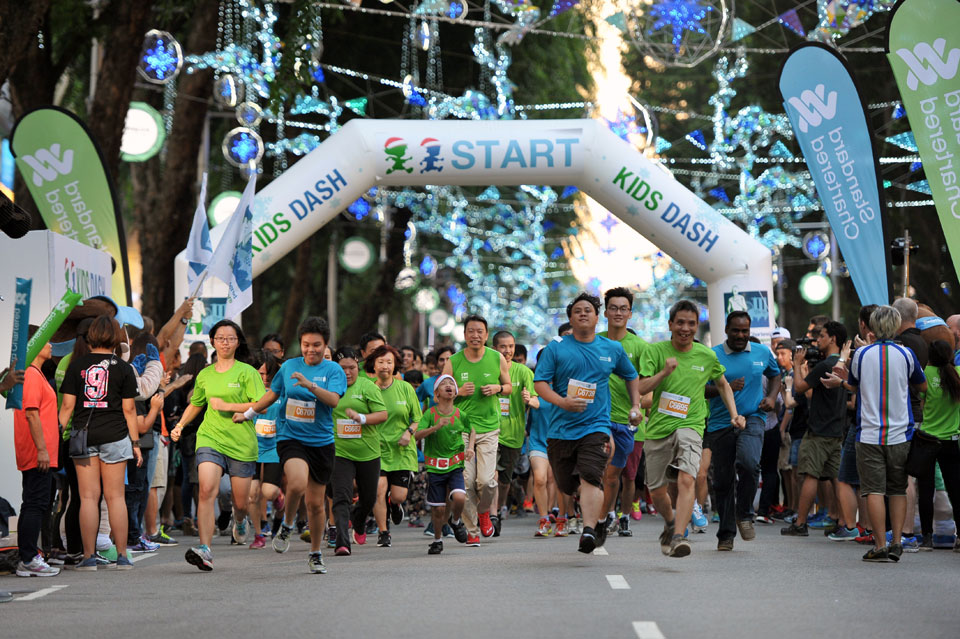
<point x="431" y="162"/>
<point x="396" y="149"/>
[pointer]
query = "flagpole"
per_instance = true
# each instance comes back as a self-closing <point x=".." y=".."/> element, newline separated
<point x="196" y="291"/>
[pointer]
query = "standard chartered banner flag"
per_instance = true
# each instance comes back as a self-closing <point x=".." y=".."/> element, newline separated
<point x="199" y="248"/>
<point x="232" y="260"/>
<point x="830" y="122"/>
<point x="64" y="171"/>
<point x="923" y="47"/>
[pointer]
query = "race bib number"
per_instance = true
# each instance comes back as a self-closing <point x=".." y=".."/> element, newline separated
<point x="581" y="390"/>
<point x="674" y="405"/>
<point x="504" y="407"/>
<point x="266" y="428"/>
<point x="301" y="412"/>
<point x="348" y="429"/>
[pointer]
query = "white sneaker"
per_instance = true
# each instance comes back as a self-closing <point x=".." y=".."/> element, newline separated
<point x="698" y="520"/>
<point x="36" y="568"/>
<point x="573" y="526"/>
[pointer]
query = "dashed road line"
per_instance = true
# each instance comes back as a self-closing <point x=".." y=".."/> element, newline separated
<point x="600" y="551"/>
<point x="617" y="582"/>
<point x="647" y="630"/>
<point x="43" y="592"/>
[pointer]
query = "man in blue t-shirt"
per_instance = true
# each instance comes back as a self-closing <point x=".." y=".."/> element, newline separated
<point x="579" y="366"/>
<point x="735" y="452"/>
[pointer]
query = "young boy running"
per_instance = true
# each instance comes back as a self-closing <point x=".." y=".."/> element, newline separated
<point x="441" y="429"/>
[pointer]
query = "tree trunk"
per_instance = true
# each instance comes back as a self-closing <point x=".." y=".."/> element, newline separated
<point x="297" y="292"/>
<point x="20" y="27"/>
<point x="167" y="225"/>
<point x="129" y="21"/>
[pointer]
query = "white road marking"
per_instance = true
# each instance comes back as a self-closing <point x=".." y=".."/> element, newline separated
<point x="141" y="556"/>
<point x="617" y="582"/>
<point x="41" y="593"/>
<point x="647" y="630"/>
<point x="600" y="551"/>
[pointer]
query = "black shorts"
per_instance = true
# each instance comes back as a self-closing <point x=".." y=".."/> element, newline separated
<point x="506" y="461"/>
<point x="319" y="458"/>
<point x="586" y="457"/>
<point x="269" y="473"/>
<point x="399" y="478"/>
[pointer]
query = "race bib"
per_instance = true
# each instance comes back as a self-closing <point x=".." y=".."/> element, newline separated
<point x="504" y="407"/>
<point x="674" y="405"/>
<point x="581" y="390"/>
<point x="348" y="429"/>
<point x="266" y="428"/>
<point x="301" y="412"/>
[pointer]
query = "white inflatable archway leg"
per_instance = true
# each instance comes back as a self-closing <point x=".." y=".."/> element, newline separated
<point x="368" y="153"/>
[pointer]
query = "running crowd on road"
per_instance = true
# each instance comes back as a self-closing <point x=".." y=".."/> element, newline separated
<point x="121" y="442"/>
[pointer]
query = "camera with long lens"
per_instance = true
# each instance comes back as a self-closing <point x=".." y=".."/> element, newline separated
<point x="811" y="352"/>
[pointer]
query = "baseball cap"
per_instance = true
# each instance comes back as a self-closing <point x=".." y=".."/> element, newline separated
<point x="125" y="314"/>
<point x="780" y="332"/>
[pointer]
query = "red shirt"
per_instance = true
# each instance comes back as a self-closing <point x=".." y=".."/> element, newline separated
<point x="37" y="395"/>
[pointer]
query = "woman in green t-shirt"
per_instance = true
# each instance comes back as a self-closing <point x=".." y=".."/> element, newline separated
<point x="358" y="451"/>
<point x="227" y="386"/>
<point x="398" y="451"/>
<point x="936" y="440"/>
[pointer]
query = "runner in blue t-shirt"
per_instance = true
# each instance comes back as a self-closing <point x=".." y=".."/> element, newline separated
<point x="736" y="453"/>
<point x="578" y="442"/>
<point x="268" y="477"/>
<point x="308" y="388"/>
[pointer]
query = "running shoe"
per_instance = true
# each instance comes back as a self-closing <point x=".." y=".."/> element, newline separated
<point x="844" y="534"/>
<point x="56" y="558"/>
<point x="624" y="529"/>
<point x="315" y="564"/>
<point x="543" y="530"/>
<point x="588" y="540"/>
<point x="679" y="547"/>
<point x="259" y="541"/>
<point x="486" y="526"/>
<point x="459" y="529"/>
<point x="790" y="518"/>
<point x="447" y="531"/>
<point x="666" y="537"/>
<point x="358" y="538"/>
<point x="715" y="518"/>
<point x="926" y="543"/>
<point x="878" y="555"/>
<point x="747" y="531"/>
<point x="764" y="519"/>
<point x="795" y="530"/>
<point x="90" y="564"/>
<point x="162" y="538"/>
<point x="305" y="535"/>
<point x="817" y="516"/>
<point x="895" y="551"/>
<point x="651" y="509"/>
<point x="331" y="535"/>
<point x="428" y="531"/>
<point x="554" y="513"/>
<point x="74" y="560"/>
<point x="123" y="563"/>
<point x="342" y="551"/>
<point x="473" y="542"/>
<point x="910" y="544"/>
<point x="827" y="525"/>
<point x="396" y="513"/>
<point x="865" y="537"/>
<point x="36" y="567"/>
<point x="560" y="529"/>
<point x="497" y="523"/>
<point x="201" y="557"/>
<point x="371" y="526"/>
<point x="281" y="542"/>
<point x="600" y="533"/>
<point x="725" y="544"/>
<point x="609" y="524"/>
<point x="635" y="513"/>
<point x="144" y="545"/>
<point x="575" y="525"/>
<point x="240" y="531"/>
<point x="697" y="519"/>
<point x="435" y="548"/>
<point x="383" y="539"/>
<point x="189" y="528"/>
<point x="528" y="505"/>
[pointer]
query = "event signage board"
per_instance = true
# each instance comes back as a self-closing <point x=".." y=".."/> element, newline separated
<point x="829" y="119"/>
<point x="64" y="170"/>
<point x="923" y="47"/>
<point x="18" y="338"/>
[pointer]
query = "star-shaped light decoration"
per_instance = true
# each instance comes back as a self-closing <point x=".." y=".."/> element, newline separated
<point x="609" y="222"/>
<point x="623" y="126"/>
<point x="681" y="16"/>
<point x="160" y="57"/>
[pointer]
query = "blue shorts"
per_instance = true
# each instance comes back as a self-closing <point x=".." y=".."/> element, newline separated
<point x="231" y="466"/>
<point x="439" y="485"/>
<point x="113" y="452"/>
<point x="795" y="451"/>
<point x="848" y="459"/>
<point x="622" y="442"/>
<point x="537" y="443"/>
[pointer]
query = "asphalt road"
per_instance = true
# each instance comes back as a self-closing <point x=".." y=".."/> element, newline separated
<point x="513" y="586"/>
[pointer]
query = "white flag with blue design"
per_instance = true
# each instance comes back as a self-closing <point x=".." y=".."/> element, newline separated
<point x="232" y="260"/>
<point x="199" y="247"/>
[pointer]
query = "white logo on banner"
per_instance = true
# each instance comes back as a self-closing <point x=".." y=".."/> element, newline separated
<point x="813" y="107"/>
<point x="47" y="164"/>
<point x="927" y="64"/>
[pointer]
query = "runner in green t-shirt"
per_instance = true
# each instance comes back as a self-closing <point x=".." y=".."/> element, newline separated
<point x="677" y="372"/>
<point x="618" y="309"/>
<point x="398" y="459"/>
<point x="513" y="422"/>
<point x="228" y="386"/>
<point x="483" y="376"/>
<point x="355" y="420"/>
<point x="442" y="429"/>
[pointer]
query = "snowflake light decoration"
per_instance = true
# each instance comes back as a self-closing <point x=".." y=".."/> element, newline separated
<point x="242" y="146"/>
<point x="160" y="58"/>
<point x="680" y="16"/>
<point x="676" y="32"/>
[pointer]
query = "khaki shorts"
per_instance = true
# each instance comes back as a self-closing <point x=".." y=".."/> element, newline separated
<point x="882" y="469"/>
<point x="819" y="456"/>
<point x="783" y="459"/>
<point x="159" y="479"/>
<point x="665" y="458"/>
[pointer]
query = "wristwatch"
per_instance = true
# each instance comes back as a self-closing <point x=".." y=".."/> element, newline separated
<point x="184" y="321"/>
<point x="410" y="429"/>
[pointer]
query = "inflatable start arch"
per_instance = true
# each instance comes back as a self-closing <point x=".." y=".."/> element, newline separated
<point x="584" y="153"/>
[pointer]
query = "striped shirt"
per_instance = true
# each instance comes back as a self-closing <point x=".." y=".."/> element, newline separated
<point x="882" y="373"/>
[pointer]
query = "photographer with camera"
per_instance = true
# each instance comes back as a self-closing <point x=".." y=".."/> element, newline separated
<point x="819" y="455"/>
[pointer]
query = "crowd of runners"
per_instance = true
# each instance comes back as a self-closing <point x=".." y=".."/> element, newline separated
<point x="122" y="442"/>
